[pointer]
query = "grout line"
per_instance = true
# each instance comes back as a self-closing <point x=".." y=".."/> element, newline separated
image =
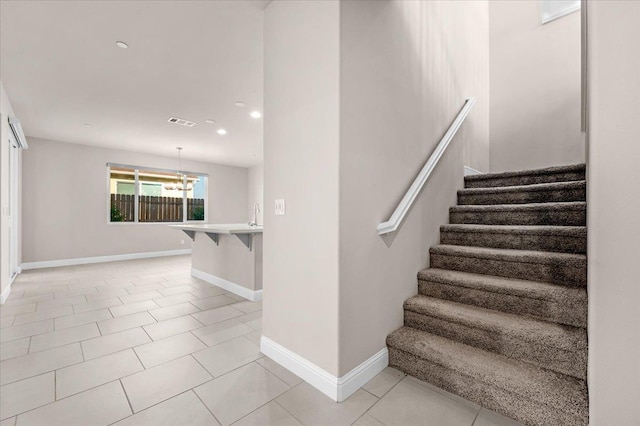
<point x="144" y="367"/>
<point x="476" y="417"/>
<point x="126" y="396"/>
<point x="203" y="403"/>
<point x="145" y="331"/>
<point x="196" y="336"/>
<point x="284" y="408"/>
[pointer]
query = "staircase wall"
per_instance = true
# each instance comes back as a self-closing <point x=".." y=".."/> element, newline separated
<point x="613" y="212"/>
<point x="535" y="88"/>
<point x="406" y="69"/>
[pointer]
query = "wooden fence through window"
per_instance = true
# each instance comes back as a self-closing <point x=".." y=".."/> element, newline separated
<point x="154" y="209"/>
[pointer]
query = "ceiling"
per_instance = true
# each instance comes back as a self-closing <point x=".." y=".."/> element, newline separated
<point x="62" y="70"/>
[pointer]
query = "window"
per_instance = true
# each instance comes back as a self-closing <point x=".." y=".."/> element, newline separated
<point x="139" y="194"/>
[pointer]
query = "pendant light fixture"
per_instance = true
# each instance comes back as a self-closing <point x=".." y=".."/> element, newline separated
<point x="178" y="185"/>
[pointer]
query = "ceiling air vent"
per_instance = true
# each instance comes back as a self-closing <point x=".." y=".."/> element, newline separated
<point x="181" y="122"/>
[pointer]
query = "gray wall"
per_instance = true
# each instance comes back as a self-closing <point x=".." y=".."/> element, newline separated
<point x="301" y="147"/>
<point x="535" y="88"/>
<point x="613" y="216"/>
<point x="65" y="202"/>
<point x="357" y="95"/>
<point x="406" y="69"/>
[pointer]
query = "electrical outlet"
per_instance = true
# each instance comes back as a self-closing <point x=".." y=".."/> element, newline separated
<point x="181" y="241"/>
<point x="279" y="207"/>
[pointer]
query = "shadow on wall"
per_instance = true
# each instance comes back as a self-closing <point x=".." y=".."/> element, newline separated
<point x="427" y="57"/>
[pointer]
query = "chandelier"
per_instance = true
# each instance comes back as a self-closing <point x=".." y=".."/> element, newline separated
<point x="178" y="185"/>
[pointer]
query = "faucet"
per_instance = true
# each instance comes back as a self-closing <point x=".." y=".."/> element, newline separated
<point x="256" y="210"/>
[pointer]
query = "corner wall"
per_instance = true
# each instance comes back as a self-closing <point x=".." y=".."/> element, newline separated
<point x="65" y="208"/>
<point x="357" y="96"/>
<point x="301" y="166"/>
<point x="613" y="212"/>
<point x="535" y="88"/>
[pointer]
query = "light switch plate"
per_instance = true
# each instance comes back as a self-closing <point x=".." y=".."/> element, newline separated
<point x="279" y="207"/>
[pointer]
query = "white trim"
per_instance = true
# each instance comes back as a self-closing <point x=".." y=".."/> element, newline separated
<point x="554" y="9"/>
<point x="18" y="133"/>
<point x="468" y="171"/>
<point x="336" y="388"/>
<point x="5" y="294"/>
<point x="253" y="295"/>
<point x="414" y="190"/>
<point x="102" y="259"/>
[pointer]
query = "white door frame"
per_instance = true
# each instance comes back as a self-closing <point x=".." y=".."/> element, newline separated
<point x="14" y="209"/>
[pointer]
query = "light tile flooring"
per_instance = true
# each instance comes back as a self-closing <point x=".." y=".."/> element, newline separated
<point x="143" y="343"/>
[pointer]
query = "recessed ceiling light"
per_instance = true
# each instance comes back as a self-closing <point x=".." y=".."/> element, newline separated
<point x="87" y="125"/>
<point x="222" y="132"/>
<point x="210" y="121"/>
<point x="122" y="44"/>
<point x="240" y="104"/>
<point x="255" y="114"/>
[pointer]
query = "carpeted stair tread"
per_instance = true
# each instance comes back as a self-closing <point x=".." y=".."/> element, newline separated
<point x="550" y="302"/>
<point x="564" y="337"/>
<point x="527" y="177"/>
<point x="511" y="286"/>
<point x="567" y="231"/>
<point x="521" y="194"/>
<point x="555" y="268"/>
<point x="557" y="213"/>
<point x="529" y="394"/>
<point x="515" y="256"/>
<point x="569" y="239"/>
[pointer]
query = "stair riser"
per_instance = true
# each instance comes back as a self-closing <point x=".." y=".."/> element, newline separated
<point x="571" y="312"/>
<point x="553" y="272"/>
<point x="517" y="407"/>
<point x="523" y="197"/>
<point x="571" y="363"/>
<point x="552" y="243"/>
<point x="526" y="180"/>
<point x="538" y="217"/>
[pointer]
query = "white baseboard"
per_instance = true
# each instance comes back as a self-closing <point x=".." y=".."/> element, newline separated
<point x="5" y="294"/>
<point x="468" y="171"/>
<point x="253" y="295"/>
<point x="101" y="259"/>
<point x="336" y="388"/>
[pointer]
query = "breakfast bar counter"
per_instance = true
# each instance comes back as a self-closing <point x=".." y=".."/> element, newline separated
<point x="228" y="256"/>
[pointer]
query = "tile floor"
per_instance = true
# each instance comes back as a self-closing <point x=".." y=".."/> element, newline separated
<point x="143" y="343"/>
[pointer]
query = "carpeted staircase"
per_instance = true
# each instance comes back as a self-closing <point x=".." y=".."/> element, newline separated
<point x="500" y="317"/>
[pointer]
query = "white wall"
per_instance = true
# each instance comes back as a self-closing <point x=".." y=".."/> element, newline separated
<point x="613" y="212"/>
<point x="406" y="69"/>
<point x="5" y="272"/>
<point x="256" y="192"/>
<point x="535" y="87"/>
<point x="65" y="202"/>
<point x="301" y="147"/>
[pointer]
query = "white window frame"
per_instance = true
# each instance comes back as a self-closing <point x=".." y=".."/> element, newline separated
<point x="555" y="9"/>
<point x="137" y="194"/>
